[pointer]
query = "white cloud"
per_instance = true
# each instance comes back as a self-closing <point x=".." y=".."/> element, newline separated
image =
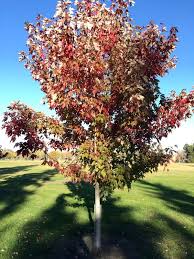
<point x="5" y="141"/>
<point x="180" y="136"/>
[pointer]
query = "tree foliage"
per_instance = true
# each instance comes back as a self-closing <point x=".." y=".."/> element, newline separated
<point x="99" y="72"/>
<point x="188" y="153"/>
<point x="57" y="155"/>
<point x="3" y="154"/>
<point x="10" y="154"/>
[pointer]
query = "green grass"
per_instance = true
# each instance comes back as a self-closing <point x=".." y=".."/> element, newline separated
<point x="41" y="216"/>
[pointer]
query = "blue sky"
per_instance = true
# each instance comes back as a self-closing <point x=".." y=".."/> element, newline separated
<point x="16" y="82"/>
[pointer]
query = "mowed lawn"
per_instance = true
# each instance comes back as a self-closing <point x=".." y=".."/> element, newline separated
<point x="44" y="216"/>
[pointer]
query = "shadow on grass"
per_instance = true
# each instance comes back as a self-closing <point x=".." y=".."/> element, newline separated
<point x="179" y="200"/>
<point x="84" y="194"/>
<point x="13" y="192"/>
<point x="56" y="234"/>
<point x="15" y="169"/>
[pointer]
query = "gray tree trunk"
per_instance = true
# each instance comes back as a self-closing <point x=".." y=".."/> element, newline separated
<point x="97" y="211"/>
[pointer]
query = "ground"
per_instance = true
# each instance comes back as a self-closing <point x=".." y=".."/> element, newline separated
<point x="42" y="215"/>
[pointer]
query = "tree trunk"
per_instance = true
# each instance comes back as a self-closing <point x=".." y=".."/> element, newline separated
<point x="97" y="211"/>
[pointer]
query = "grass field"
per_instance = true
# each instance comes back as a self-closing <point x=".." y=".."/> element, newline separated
<point x="41" y="216"/>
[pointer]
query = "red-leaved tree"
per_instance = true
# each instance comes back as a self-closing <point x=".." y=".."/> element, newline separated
<point x="99" y="72"/>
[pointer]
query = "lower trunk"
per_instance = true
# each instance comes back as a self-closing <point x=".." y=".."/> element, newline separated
<point x="97" y="211"/>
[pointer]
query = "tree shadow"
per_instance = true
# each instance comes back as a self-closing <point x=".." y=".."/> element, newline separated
<point x="12" y="170"/>
<point x="84" y="193"/>
<point x="142" y="239"/>
<point x="179" y="200"/>
<point x="57" y="233"/>
<point x="13" y="191"/>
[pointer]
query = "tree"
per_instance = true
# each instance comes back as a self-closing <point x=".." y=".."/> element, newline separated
<point x="100" y="75"/>
<point x="40" y="155"/>
<point x="10" y="154"/>
<point x="189" y="153"/>
<point x="56" y="155"/>
<point x="2" y="153"/>
<point x="180" y="156"/>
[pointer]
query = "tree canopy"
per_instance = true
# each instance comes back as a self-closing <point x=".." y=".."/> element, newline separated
<point x="188" y="153"/>
<point x="99" y="72"/>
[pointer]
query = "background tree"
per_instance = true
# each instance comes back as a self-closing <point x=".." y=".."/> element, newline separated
<point x="180" y="157"/>
<point x="2" y="153"/>
<point x="189" y="153"/>
<point x="40" y="154"/>
<point x="10" y="154"/>
<point x="56" y="155"/>
<point x="100" y="75"/>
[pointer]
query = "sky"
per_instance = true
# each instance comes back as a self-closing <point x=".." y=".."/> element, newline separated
<point x="17" y="84"/>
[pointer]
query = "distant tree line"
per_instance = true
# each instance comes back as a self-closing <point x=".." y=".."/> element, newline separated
<point x="39" y="155"/>
<point x="186" y="155"/>
<point x="189" y="153"/>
